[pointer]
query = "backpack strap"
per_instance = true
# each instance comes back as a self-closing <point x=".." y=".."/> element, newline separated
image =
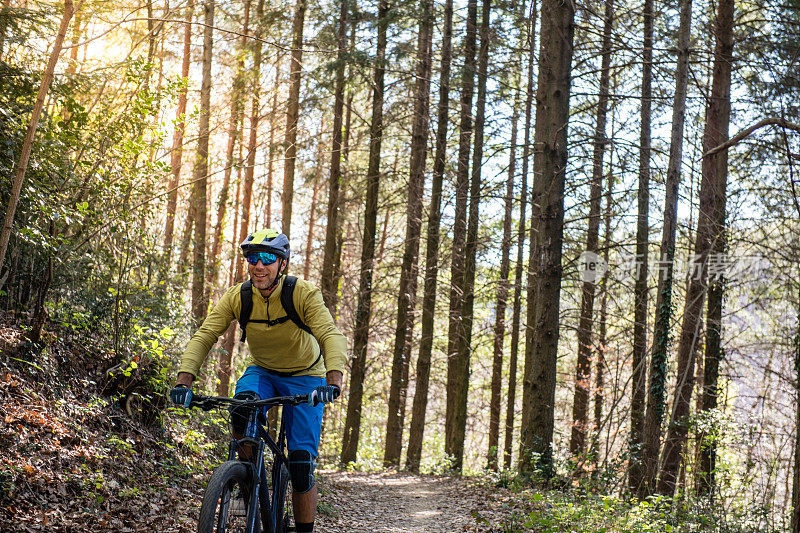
<point x="247" y="307"/>
<point x="287" y="301"/>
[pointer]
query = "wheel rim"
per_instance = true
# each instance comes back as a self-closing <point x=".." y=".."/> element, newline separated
<point x="232" y="509"/>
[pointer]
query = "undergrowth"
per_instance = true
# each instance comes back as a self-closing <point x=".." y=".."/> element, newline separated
<point x="521" y="506"/>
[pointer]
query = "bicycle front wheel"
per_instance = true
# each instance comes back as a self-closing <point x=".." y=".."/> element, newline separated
<point x="226" y="500"/>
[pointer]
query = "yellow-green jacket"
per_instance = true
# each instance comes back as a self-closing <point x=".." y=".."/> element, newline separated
<point x="282" y="347"/>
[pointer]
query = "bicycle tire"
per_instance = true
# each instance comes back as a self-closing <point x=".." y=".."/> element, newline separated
<point x="230" y="481"/>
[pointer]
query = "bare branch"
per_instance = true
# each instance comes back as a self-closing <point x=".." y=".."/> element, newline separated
<point x="770" y="121"/>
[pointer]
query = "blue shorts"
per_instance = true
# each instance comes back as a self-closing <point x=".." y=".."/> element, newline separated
<point x="303" y="422"/>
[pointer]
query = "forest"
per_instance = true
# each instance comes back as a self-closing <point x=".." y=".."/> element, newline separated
<point x="561" y="238"/>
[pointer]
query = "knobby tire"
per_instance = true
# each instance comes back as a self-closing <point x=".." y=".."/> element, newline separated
<point x="231" y="478"/>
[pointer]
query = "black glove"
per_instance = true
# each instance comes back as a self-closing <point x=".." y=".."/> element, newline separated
<point x="181" y="395"/>
<point x="324" y="394"/>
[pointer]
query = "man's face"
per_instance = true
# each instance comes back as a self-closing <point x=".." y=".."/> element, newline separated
<point x="263" y="275"/>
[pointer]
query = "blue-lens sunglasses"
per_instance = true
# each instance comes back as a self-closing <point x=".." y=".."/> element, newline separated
<point x="265" y="257"/>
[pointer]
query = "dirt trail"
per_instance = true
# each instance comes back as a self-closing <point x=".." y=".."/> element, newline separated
<point x="389" y="503"/>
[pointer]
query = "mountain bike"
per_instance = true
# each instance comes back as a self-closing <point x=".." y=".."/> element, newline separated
<point x="239" y="498"/>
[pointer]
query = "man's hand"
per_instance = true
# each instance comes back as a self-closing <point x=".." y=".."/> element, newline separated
<point x="323" y="394"/>
<point x="181" y="395"/>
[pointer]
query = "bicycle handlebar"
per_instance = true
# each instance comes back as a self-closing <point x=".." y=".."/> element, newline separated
<point x="206" y="403"/>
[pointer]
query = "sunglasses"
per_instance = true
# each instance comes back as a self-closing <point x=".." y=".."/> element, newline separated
<point x="265" y="257"/>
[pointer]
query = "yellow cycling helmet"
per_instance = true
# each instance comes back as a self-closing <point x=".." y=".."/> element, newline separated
<point x="266" y="240"/>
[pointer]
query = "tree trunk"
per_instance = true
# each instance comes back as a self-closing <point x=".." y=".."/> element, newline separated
<point x="502" y="293"/>
<point x="639" y="362"/>
<point x="235" y="245"/>
<point x="465" y="344"/>
<point x="544" y="279"/>
<point x="709" y="239"/>
<point x="600" y="362"/>
<point x="407" y="298"/>
<point x="177" y="138"/>
<point x="580" y="403"/>
<point x="292" y="115"/>
<point x="523" y="202"/>
<point x="3" y="25"/>
<point x="72" y="67"/>
<point x="233" y="134"/>
<point x="420" y="405"/>
<point x="201" y="171"/>
<point x="27" y="144"/>
<point x="237" y="111"/>
<point x="329" y="292"/>
<point x="352" y="425"/>
<point x="312" y="216"/>
<point x="795" y="520"/>
<point x="252" y="146"/>
<point x="456" y="373"/>
<point x="658" y="361"/>
<point x="272" y="147"/>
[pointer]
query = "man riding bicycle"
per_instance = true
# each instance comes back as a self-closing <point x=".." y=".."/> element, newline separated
<point x="298" y="350"/>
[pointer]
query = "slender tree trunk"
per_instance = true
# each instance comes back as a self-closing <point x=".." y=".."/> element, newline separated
<point x="523" y="202"/>
<point x="544" y="279"/>
<point x="292" y="115"/>
<point x="72" y="67"/>
<point x="3" y="25"/>
<point x="233" y="134"/>
<point x="658" y="361"/>
<point x="329" y="292"/>
<point x="580" y="403"/>
<point x="348" y="108"/>
<point x="272" y="147"/>
<point x="795" y="520"/>
<point x="639" y="377"/>
<point x="177" y="138"/>
<point x="713" y="349"/>
<point x="600" y="362"/>
<point x="709" y="239"/>
<point x="502" y="293"/>
<point x="407" y="298"/>
<point x="420" y="405"/>
<point x="188" y="226"/>
<point x="27" y="143"/>
<point x="456" y="373"/>
<point x="352" y="425"/>
<point x="312" y="216"/>
<point x="237" y="203"/>
<point x="471" y="246"/>
<point x="199" y="304"/>
<point x="252" y="145"/>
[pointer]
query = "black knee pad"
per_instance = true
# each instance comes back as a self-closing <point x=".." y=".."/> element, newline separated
<point x="239" y="414"/>
<point x="301" y="470"/>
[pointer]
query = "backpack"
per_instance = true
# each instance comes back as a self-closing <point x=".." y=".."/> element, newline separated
<point x="287" y="301"/>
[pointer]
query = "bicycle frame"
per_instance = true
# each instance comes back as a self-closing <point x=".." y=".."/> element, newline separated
<point x="256" y="435"/>
<point x="257" y="438"/>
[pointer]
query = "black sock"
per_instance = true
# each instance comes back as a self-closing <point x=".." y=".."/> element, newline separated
<point x="304" y="526"/>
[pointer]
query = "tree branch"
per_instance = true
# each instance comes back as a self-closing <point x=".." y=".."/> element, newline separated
<point x="770" y="121"/>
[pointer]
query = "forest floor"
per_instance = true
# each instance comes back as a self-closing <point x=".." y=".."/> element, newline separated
<point x="72" y="461"/>
<point x="396" y="502"/>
